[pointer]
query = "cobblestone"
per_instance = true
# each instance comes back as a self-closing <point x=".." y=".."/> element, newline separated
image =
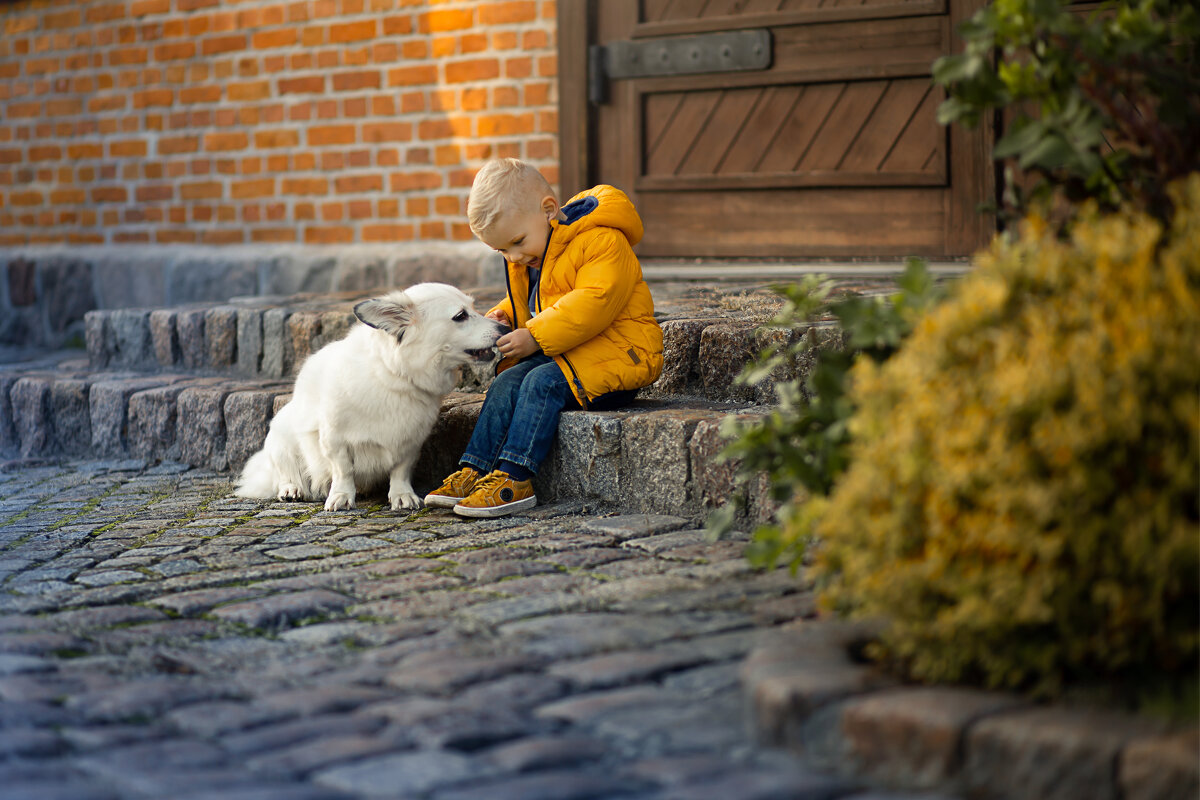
<point x="160" y="638"/>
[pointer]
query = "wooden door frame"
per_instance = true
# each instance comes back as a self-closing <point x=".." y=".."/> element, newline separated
<point x="576" y="119"/>
<point x="972" y="169"/>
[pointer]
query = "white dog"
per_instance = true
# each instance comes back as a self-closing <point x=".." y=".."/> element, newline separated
<point x="362" y="406"/>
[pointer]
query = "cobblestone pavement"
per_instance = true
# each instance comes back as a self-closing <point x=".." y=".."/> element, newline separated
<point x="160" y="638"/>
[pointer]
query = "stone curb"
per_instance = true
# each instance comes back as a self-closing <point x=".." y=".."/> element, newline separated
<point x="658" y="456"/>
<point x="269" y="337"/>
<point x="807" y="693"/>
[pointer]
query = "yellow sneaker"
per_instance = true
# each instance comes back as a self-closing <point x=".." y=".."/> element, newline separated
<point x="453" y="489"/>
<point x="495" y="495"/>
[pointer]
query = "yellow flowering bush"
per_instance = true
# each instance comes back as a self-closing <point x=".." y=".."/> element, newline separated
<point x="1022" y="504"/>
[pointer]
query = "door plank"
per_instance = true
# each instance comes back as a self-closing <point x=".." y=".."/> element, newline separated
<point x="760" y="222"/>
<point x="767" y="120"/>
<point x="693" y="114"/>
<point x="812" y="110"/>
<point x="913" y="145"/>
<point x="723" y="132"/>
<point x="844" y="121"/>
<point x="881" y="138"/>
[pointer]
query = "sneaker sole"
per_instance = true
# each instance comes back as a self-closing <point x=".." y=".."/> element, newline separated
<point x="442" y="501"/>
<point x="487" y="512"/>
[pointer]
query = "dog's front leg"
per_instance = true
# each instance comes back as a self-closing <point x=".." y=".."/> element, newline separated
<point x="400" y="490"/>
<point x="341" y="490"/>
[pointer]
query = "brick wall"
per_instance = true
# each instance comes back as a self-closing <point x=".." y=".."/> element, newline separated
<point x="215" y="123"/>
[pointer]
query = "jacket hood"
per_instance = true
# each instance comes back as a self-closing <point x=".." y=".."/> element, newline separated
<point x="599" y="207"/>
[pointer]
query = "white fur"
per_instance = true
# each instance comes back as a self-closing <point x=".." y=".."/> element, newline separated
<point x="362" y="406"/>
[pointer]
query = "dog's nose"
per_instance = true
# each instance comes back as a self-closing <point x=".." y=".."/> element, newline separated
<point x="503" y="329"/>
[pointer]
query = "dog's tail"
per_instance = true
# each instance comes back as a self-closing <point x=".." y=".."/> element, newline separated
<point x="257" y="480"/>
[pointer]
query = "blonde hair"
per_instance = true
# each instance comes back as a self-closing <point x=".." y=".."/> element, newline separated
<point x="505" y="184"/>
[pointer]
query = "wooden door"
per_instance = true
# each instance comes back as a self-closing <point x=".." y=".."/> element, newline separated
<point x="834" y="150"/>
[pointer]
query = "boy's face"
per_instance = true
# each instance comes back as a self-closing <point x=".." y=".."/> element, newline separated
<point x="521" y="236"/>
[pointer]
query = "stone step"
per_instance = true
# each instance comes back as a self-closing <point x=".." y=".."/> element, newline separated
<point x="659" y="456"/>
<point x="707" y="339"/>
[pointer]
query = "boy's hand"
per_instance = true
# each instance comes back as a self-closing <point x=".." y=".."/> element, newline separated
<point x="499" y="316"/>
<point x="518" y="344"/>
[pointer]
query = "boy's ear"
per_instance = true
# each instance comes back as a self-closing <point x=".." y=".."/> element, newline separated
<point x="391" y="314"/>
<point x="550" y="207"/>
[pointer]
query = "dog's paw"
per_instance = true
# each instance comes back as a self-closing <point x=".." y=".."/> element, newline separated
<point x="288" y="492"/>
<point x="404" y="501"/>
<point x="338" y="501"/>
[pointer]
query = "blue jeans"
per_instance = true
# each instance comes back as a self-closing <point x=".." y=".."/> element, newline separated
<point x="520" y="415"/>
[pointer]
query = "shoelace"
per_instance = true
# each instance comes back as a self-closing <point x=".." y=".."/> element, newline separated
<point x="490" y="481"/>
<point x="456" y="478"/>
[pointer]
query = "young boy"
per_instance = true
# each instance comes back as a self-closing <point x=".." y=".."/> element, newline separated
<point x="584" y="334"/>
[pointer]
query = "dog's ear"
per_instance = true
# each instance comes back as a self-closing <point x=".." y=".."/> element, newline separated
<point x="391" y="314"/>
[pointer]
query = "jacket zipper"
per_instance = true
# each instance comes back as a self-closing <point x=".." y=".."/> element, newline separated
<point x="583" y="401"/>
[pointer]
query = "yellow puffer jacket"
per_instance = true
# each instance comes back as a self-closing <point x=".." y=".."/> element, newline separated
<point x="593" y="312"/>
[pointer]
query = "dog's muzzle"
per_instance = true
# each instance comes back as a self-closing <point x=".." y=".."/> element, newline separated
<point x="483" y="354"/>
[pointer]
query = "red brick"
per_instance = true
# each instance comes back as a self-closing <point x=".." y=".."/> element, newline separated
<point x="106" y="13"/>
<point x="177" y="145"/>
<point x="143" y="8"/>
<point x="447" y="154"/>
<point x="199" y="94"/>
<point x="217" y="142"/>
<point x="310" y="84"/>
<point x="448" y="205"/>
<point x="357" y="184"/>
<point x="273" y="235"/>
<point x="82" y="150"/>
<point x="246" y="92"/>
<point x="472" y="43"/>
<point x="352" y="32"/>
<point x="28" y="197"/>
<point x="412" y="76"/>
<point x="128" y="55"/>
<point x="535" y="40"/>
<point x="442" y="21"/>
<point x="283" y="37"/>
<point x="152" y="194"/>
<point x="209" y="190"/>
<point x="518" y="67"/>
<point x="305" y="186"/>
<point x="174" y="237"/>
<point x="277" y="138"/>
<point x="246" y="190"/>
<point x="387" y="132"/>
<point x="504" y="40"/>
<point x="174" y="51"/>
<point x="408" y="181"/>
<point x="473" y="70"/>
<point x="234" y="236"/>
<point x="323" y="135"/>
<point x="356" y="81"/>
<point x="507" y="13"/>
<point x="133" y="148"/>
<point x="153" y="98"/>
<point x="397" y="26"/>
<point x="415" y="49"/>
<point x="41" y="66"/>
<point x="223" y="44"/>
<point x="329" y="235"/>
<point x="387" y="233"/>
<point x="23" y="110"/>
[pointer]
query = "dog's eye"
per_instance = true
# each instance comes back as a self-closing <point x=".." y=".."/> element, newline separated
<point x="461" y="316"/>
